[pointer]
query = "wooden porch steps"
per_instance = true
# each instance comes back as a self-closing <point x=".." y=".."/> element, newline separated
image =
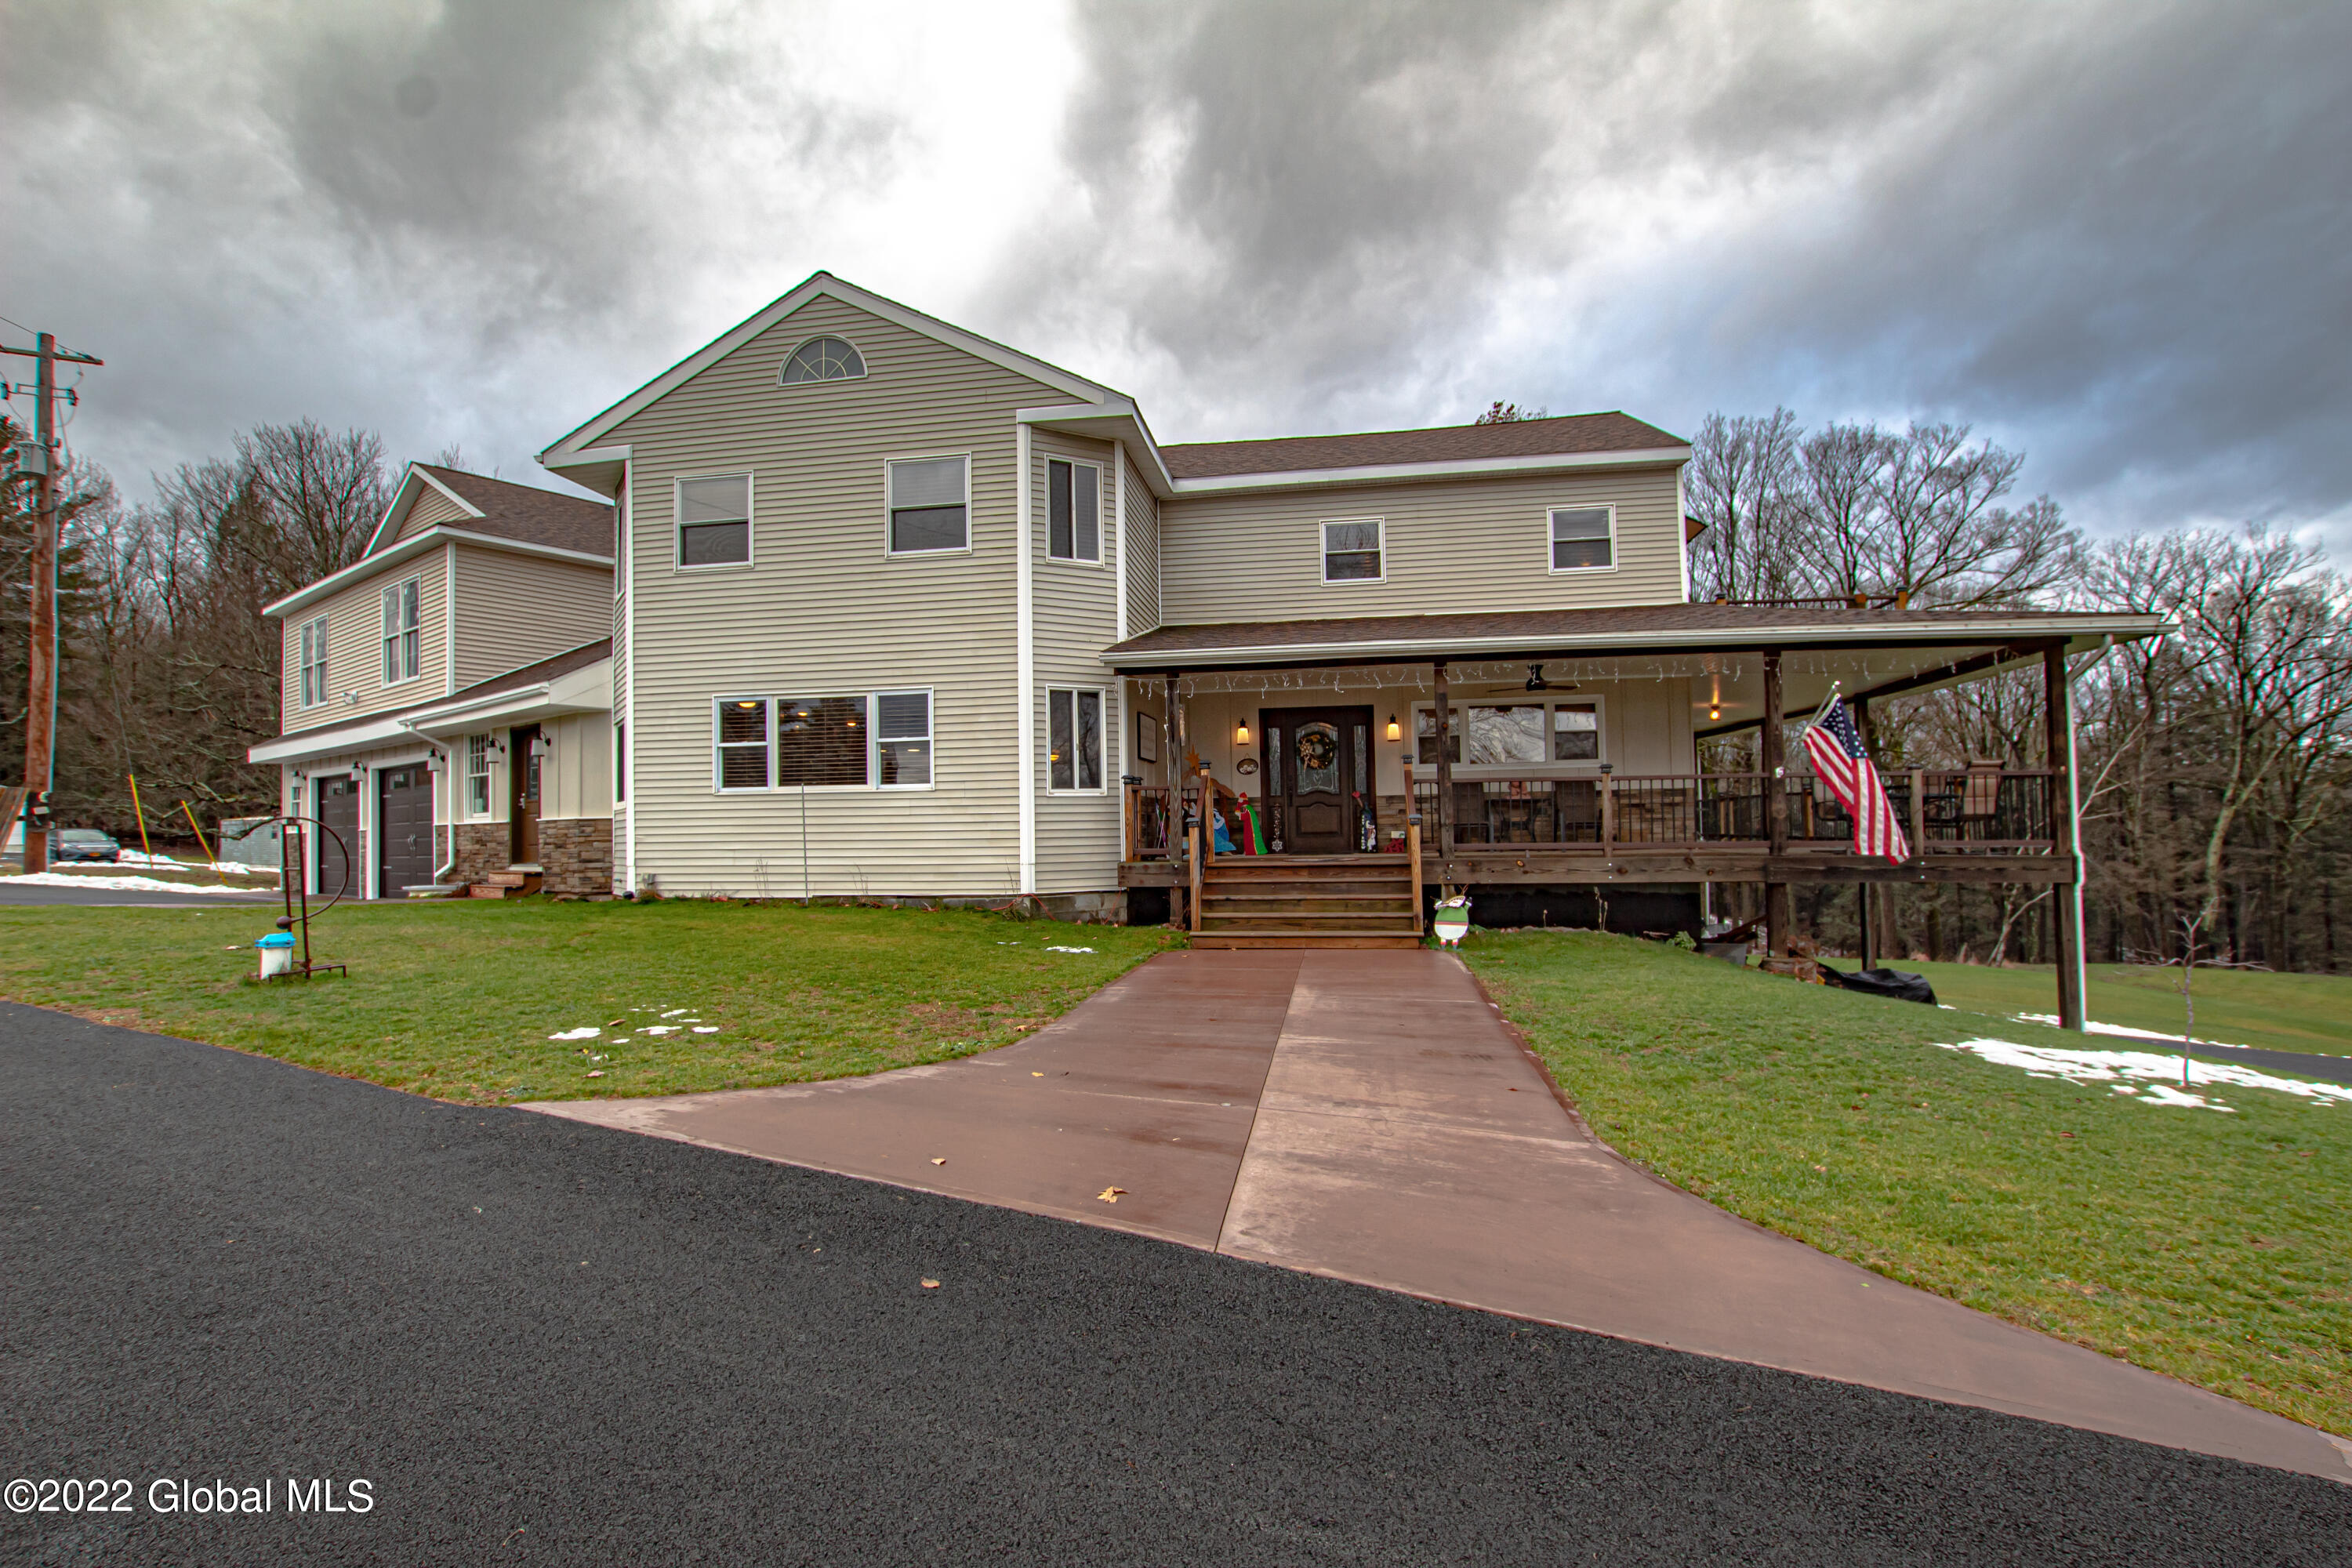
<point x="1297" y="902"/>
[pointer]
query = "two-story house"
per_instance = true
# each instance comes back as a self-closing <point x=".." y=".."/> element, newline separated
<point x="448" y="698"/>
<point x="905" y="614"/>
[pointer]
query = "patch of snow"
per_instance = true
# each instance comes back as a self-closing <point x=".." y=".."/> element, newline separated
<point x="2146" y="1076"/>
<point x="673" y="1013"/>
<point x="658" y="1029"/>
<point x="226" y="867"/>
<point x="706" y="1029"/>
<point x="1060" y="949"/>
<point x="585" y="1032"/>
<point x="116" y="884"/>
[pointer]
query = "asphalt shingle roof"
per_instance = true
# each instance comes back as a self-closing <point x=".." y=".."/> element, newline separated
<point x="1569" y="434"/>
<point x="530" y="515"/>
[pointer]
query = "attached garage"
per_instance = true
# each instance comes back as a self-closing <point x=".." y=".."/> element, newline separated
<point x="403" y="829"/>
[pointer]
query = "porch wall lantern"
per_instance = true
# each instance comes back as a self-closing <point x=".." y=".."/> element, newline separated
<point x="1396" y="732"/>
<point x="1241" y="733"/>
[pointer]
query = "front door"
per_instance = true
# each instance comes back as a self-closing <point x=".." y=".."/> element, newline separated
<point x="335" y="802"/>
<point x="522" y="795"/>
<point x="403" y="825"/>
<point x="1318" y="778"/>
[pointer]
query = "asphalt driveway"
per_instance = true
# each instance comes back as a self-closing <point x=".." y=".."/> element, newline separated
<point x="542" y="1340"/>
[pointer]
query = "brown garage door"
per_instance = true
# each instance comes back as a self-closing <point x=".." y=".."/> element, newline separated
<point x="403" y="830"/>
<point x="336" y="803"/>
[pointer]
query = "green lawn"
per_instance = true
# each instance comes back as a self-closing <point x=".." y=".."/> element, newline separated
<point x="2214" y="1248"/>
<point x="457" y="1000"/>
<point x="2240" y="1007"/>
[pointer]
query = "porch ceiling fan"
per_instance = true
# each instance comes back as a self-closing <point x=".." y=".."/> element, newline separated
<point x="1535" y="682"/>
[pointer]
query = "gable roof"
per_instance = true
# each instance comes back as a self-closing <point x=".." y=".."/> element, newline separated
<point x="545" y="669"/>
<point x="502" y="510"/>
<point x="1570" y="434"/>
<point x="577" y="448"/>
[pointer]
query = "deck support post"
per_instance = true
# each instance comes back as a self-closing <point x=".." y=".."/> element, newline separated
<point x="2066" y="897"/>
<point x="1866" y="902"/>
<point x="1773" y="763"/>
<point x="1444" y="769"/>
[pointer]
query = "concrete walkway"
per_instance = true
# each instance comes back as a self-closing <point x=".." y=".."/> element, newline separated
<point x="1366" y="1116"/>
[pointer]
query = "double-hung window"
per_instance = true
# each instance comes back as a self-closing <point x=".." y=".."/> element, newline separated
<point x="1351" y="551"/>
<point x="739" y="743"/>
<point x="1073" y="510"/>
<point x="1583" y="538"/>
<point x="714" y="521"/>
<point x="314" y="662"/>
<point x="927" y="504"/>
<point x="403" y="640"/>
<point x="1074" y="755"/>
<point x="1576" y="733"/>
<point x="477" y="775"/>
<point x="902" y="739"/>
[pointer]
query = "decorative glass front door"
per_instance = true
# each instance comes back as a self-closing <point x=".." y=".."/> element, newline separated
<point x="1317" y="778"/>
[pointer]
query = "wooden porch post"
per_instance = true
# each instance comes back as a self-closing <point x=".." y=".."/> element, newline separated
<point x="1862" y="890"/>
<point x="1444" y="774"/>
<point x="1774" y="762"/>
<point x="1180" y="843"/>
<point x="2066" y="897"/>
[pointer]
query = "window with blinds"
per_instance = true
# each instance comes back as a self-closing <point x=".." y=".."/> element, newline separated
<point x="927" y="504"/>
<point x="714" y="521"/>
<point x="902" y="739"/>
<point x="1352" y="553"/>
<point x="1583" y="538"/>
<point x="1073" y="510"/>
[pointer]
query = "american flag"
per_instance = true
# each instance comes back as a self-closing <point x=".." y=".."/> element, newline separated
<point x="1839" y="761"/>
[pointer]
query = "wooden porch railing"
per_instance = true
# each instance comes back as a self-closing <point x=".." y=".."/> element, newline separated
<point x="1978" y="810"/>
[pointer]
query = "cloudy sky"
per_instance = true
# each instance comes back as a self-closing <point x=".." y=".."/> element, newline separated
<point x="2115" y="235"/>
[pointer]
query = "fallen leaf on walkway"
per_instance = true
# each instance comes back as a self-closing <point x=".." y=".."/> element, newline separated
<point x="939" y="1162"/>
<point x="1112" y="1194"/>
<point x="930" y="1284"/>
<point x="1036" y="1075"/>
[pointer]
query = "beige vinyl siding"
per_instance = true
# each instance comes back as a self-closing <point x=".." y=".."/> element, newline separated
<point x="1451" y="546"/>
<point x="1074" y="611"/>
<point x="515" y="609"/>
<point x="576" y="778"/>
<point x="355" y="648"/>
<point x="822" y="612"/>
<point x="1142" y="563"/>
<point x="431" y="506"/>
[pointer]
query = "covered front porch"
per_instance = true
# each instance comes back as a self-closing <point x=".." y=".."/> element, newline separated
<point x="1576" y="752"/>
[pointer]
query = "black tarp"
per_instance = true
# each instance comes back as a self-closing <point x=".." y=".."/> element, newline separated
<point x="1901" y="984"/>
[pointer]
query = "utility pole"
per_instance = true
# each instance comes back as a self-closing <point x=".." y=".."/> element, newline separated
<point x="41" y="654"/>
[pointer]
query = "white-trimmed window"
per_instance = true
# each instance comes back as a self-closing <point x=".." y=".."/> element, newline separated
<point x="929" y="504"/>
<point x="1351" y="551"/>
<point x="403" y="641"/>
<point x="902" y="739"/>
<point x="739" y="751"/>
<point x="1576" y="733"/>
<point x="1073" y="510"/>
<point x="823" y="358"/>
<point x="1583" y="538"/>
<point x="1513" y="735"/>
<point x="1074" y="752"/>
<point x="313" y="665"/>
<point x="477" y="775"/>
<point x="714" y="521"/>
<point x="878" y="741"/>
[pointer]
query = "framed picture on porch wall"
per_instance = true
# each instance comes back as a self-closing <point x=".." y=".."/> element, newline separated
<point x="1147" y="736"/>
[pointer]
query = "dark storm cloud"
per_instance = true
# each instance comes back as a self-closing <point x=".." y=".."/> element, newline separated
<point x="2115" y="235"/>
<point x="434" y="220"/>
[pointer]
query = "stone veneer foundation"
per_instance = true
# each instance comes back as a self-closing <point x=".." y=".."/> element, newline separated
<point x="575" y="854"/>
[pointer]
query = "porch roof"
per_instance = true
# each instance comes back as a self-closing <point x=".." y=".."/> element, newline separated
<point x="1624" y="630"/>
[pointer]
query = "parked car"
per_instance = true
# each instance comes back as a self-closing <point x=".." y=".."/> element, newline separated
<point x="85" y="843"/>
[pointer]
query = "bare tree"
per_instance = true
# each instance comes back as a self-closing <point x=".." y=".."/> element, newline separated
<point x="1743" y="482"/>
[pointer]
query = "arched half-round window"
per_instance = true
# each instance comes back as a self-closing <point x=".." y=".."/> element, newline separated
<point x="823" y="358"/>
